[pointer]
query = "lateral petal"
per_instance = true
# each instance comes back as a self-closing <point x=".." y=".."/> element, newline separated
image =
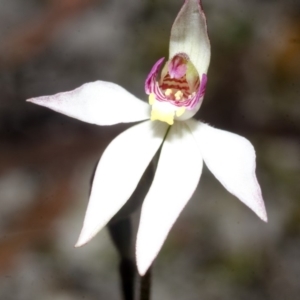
<point x="176" y="178"/>
<point x="118" y="173"/>
<point x="231" y="158"/>
<point x="189" y="35"/>
<point x="99" y="102"/>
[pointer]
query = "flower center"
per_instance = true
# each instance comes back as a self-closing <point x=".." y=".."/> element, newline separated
<point x="177" y="90"/>
<point x="179" y="80"/>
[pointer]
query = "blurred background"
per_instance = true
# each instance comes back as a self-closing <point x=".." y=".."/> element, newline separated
<point x="218" y="248"/>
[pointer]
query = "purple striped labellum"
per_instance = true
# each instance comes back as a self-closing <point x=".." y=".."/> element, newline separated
<point x="179" y="88"/>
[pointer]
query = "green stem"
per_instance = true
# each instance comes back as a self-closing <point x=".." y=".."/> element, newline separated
<point x="145" y="287"/>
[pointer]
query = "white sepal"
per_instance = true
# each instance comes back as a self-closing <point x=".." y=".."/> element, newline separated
<point x="231" y="158"/>
<point x="189" y="36"/>
<point x="176" y="178"/>
<point x="118" y="173"/>
<point x="99" y="102"/>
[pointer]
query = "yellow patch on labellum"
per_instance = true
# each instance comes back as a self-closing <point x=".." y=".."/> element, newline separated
<point x="164" y="113"/>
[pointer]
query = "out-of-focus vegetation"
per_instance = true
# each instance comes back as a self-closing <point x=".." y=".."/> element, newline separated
<point x="218" y="248"/>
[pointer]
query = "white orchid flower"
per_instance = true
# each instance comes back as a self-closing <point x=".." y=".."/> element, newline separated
<point x="185" y="143"/>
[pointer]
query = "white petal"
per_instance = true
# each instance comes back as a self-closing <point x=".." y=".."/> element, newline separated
<point x="118" y="173"/>
<point x="176" y="178"/>
<point x="99" y="102"/>
<point x="189" y="35"/>
<point x="231" y="158"/>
